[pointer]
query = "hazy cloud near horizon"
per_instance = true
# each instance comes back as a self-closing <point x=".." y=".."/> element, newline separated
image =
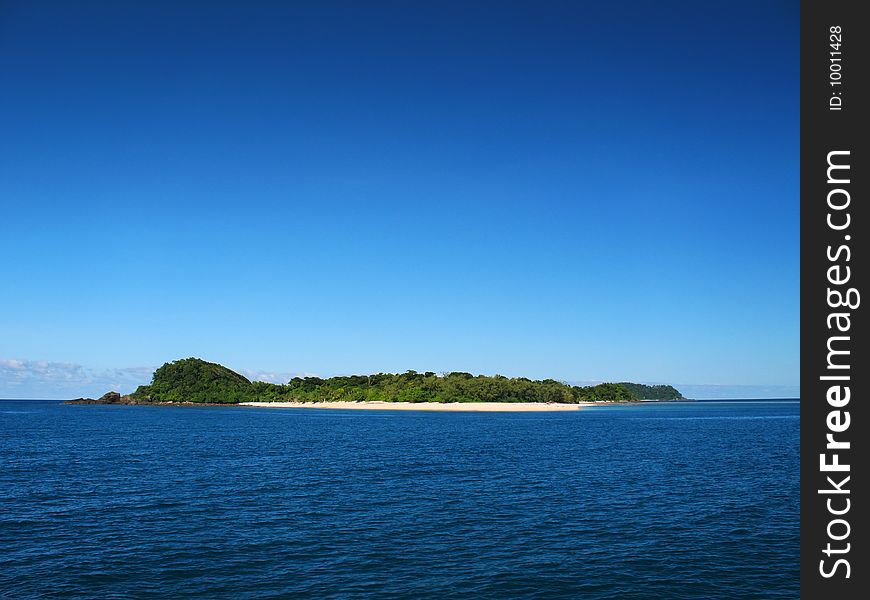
<point x="712" y="391"/>
<point x="721" y="392"/>
<point x="63" y="380"/>
<point x="21" y="378"/>
<point x="49" y="380"/>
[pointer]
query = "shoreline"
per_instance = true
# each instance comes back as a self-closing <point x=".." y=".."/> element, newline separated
<point x="429" y="406"/>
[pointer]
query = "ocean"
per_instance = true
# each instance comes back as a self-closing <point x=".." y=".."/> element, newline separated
<point x="659" y="500"/>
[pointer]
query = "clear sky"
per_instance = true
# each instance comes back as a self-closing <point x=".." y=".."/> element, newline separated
<point x="601" y="191"/>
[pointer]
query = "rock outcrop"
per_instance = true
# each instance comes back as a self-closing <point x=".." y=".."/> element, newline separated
<point x="107" y="398"/>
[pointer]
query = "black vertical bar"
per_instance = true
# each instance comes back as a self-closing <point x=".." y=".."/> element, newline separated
<point x="834" y="228"/>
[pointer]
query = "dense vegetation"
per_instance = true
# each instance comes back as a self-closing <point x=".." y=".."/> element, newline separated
<point x="652" y="392"/>
<point x="194" y="380"/>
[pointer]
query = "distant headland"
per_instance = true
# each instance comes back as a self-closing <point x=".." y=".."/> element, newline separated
<point x="192" y="381"/>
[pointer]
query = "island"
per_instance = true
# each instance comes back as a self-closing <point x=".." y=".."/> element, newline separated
<point x="193" y="381"/>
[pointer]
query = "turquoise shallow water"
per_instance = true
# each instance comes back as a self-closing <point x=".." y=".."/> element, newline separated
<point x="682" y="500"/>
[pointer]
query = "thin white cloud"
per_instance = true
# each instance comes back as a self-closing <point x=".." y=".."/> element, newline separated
<point x="712" y="391"/>
<point x="21" y="378"/>
<point x="272" y="376"/>
<point x="721" y="392"/>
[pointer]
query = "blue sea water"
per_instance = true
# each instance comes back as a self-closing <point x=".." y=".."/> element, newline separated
<point x="665" y="500"/>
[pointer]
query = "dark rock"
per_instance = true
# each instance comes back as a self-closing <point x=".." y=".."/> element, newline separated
<point x="110" y="398"/>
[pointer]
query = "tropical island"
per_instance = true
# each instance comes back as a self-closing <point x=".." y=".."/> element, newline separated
<point x="192" y="381"/>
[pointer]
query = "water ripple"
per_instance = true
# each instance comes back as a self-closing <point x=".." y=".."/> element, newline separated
<point x="671" y="501"/>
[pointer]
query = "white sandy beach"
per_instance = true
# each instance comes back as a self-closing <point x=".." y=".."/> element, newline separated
<point x="435" y="406"/>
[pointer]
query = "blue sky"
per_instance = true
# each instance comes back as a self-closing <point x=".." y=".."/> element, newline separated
<point x="547" y="189"/>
